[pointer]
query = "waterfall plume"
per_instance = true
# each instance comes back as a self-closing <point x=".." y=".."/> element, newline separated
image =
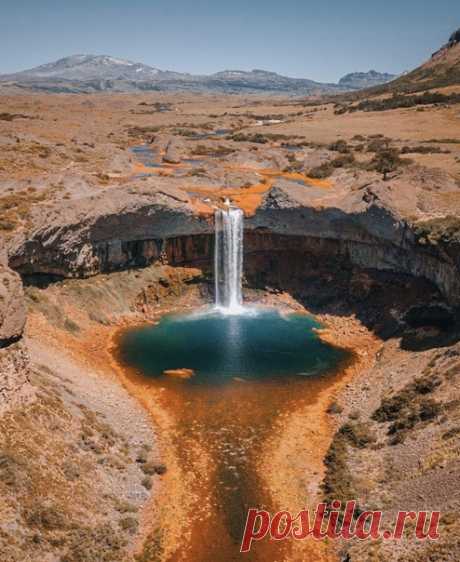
<point x="228" y="259"/>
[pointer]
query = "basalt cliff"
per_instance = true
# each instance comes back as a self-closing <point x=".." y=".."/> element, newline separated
<point x="366" y="221"/>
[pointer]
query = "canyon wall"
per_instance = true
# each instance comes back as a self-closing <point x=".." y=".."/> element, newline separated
<point x="133" y="227"/>
<point x="366" y="231"/>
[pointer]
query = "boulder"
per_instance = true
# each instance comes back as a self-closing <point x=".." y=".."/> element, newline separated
<point x="179" y="373"/>
<point x="174" y="152"/>
<point x="315" y="158"/>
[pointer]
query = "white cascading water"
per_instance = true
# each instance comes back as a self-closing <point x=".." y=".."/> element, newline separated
<point x="228" y="259"/>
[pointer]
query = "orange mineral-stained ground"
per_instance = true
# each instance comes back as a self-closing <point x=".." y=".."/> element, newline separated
<point x="205" y="198"/>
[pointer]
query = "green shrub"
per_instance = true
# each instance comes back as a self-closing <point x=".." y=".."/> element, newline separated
<point x="46" y="517"/>
<point x="321" y="172"/>
<point x="409" y="408"/>
<point x="422" y="149"/>
<point x="147" y="483"/>
<point x="327" y="168"/>
<point x="386" y="161"/>
<point x="339" y="146"/>
<point x="338" y="480"/>
<point x="129" y="524"/>
<point x="359" y="435"/>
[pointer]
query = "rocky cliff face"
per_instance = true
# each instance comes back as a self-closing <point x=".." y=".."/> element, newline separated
<point x="14" y="361"/>
<point x="366" y="223"/>
<point x="120" y="228"/>
<point x="12" y="310"/>
<point x="365" y="228"/>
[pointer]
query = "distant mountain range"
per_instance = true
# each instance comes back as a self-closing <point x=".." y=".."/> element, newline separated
<point x="94" y="73"/>
<point x="361" y="80"/>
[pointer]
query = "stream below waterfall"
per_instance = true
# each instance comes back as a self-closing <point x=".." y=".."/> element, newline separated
<point x="251" y="371"/>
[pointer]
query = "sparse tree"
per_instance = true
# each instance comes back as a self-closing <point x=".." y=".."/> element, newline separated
<point x="386" y="161"/>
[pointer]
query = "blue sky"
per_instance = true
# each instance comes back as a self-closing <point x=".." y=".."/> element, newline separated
<point x="321" y="40"/>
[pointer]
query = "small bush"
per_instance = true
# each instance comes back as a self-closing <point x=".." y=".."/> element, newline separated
<point x="343" y="161"/>
<point x="197" y="172"/>
<point x="334" y="408"/>
<point x="422" y="149"/>
<point x="141" y="131"/>
<point x="378" y="144"/>
<point x="439" y="230"/>
<point x="327" y="168"/>
<point x="358" y="435"/>
<point x="338" y="480"/>
<point x="339" y="146"/>
<point x="321" y="172"/>
<point x="71" y="326"/>
<point x="429" y="409"/>
<point x="12" y="116"/>
<point x="45" y="517"/>
<point x="147" y="482"/>
<point x="8" y="470"/>
<point x="148" y="468"/>
<point x="256" y="137"/>
<point x="409" y="408"/>
<point x="125" y="507"/>
<point x="451" y="433"/>
<point x="390" y="408"/>
<point x="151" y="468"/>
<point x="426" y="385"/>
<point x="386" y="161"/>
<point x="204" y="150"/>
<point x="129" y="524"/>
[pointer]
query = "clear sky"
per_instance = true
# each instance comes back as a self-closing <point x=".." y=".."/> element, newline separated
<point x="321" y="39"/>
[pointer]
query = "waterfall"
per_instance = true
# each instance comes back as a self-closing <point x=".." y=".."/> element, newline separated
<point x="228" y="258"/>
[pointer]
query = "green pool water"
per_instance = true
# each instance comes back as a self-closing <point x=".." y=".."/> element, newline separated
<point x="257" y="345"/>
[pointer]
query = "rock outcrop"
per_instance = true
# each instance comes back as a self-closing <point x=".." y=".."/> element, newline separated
<point x="174" y="152"/>
<point x="12" y="309"/>
<point x="315" y="158"/>
<point x="454" y="39"/>
<point x="369" y="225"/>
<point x="14" y="360"/>
<point x="118" y="228"/>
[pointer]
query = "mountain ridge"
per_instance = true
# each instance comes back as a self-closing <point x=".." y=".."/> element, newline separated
<point x="442" y="69"/>
<point x="360" y="80"/>
<point x="88" y="73"/>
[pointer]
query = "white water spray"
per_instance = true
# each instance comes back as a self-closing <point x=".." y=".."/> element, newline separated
<point x="228" y="258"/>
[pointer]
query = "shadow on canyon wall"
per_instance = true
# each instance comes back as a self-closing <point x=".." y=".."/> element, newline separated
<point x="320" y="273"/>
